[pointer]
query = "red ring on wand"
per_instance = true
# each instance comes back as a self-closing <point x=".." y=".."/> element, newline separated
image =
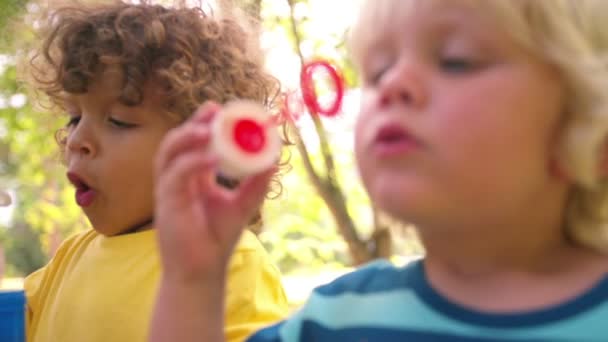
<point x="309" y="94"/>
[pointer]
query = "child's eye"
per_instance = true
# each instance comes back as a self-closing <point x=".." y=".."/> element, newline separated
<point x="120" y="124"/>
<point x="374" y="76"/>
<point x="73" y="121"/>
<point x="457" y="65"/>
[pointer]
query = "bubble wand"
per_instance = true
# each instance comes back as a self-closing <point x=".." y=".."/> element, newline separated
<point x="245" y="138"/>
<point x="244" y="134"/>
<point x="294" y="107"/>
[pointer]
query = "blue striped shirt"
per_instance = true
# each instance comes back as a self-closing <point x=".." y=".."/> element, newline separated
<point x="380" y="302"/>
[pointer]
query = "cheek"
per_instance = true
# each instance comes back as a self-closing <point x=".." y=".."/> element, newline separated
<point x="134" y="165"/>
<point x="492" y="118"/>
<point x="470" y="126"/>
<point x="495" y="139"/>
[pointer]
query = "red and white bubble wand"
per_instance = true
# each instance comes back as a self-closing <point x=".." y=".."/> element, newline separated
<point x="246" y="139"/>
<point x="245" y="135"/>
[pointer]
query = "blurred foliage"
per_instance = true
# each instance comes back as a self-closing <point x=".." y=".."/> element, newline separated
<point x="29" y="160"/>
<point x="9" y="10"/>
<point x="23" y="250"/>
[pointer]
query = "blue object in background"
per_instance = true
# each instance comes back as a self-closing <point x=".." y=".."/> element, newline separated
<point x="12" y="316"/>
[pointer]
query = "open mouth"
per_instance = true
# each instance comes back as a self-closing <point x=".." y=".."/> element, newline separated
<point x="84" y="193"/>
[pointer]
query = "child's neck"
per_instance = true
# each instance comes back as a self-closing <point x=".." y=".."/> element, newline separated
<point x="141" y="226"/>
<point x="477" y="254"/>
<point x="526" y="237"/>
<point x="501" y="276"/>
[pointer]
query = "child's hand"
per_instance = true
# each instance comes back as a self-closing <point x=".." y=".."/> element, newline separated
<point x="198" y="221"/>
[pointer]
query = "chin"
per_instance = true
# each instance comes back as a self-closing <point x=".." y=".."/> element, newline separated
<point x="395" y="209"/>
<point x="390" y="202"/>
<point x="398" y="202"/>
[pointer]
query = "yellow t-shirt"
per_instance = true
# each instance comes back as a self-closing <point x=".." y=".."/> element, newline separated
<point x="103" y="289"/>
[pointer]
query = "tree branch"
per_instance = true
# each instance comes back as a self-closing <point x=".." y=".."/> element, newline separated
<point x="328" y="188"/>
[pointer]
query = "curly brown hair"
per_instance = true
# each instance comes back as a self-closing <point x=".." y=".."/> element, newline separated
<point x="192" y="55"/>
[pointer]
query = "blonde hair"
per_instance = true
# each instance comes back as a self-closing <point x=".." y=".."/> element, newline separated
<point x="571" y="36"/>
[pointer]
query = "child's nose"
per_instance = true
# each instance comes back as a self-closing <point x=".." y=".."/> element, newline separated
<point x="388" y="99"/>
<point x="80" y="141"/>
<point x="402" y="85"/>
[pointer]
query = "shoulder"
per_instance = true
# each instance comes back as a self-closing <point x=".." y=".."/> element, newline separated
<point x="248" y="242"/>
<point x="251" y="268"/>
<point x="376" y="276"/>
<point x="255" y="297"/>
<point x="249" y="252"/>
<point x="364" y="295"/>
<point x="66" y="247"/>
<point x="77" y="240"/>
<point x="66" y="250"/>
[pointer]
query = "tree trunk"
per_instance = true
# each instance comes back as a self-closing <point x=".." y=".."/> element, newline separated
<point x="361" y="250"/>
<point x="379" y="244"/>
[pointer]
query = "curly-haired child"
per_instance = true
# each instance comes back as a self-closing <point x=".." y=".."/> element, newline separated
<point x="125" y="75"/>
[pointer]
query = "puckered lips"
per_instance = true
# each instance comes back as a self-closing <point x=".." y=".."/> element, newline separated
<point x="85" y="194"/>
<point x="394" y="140"/>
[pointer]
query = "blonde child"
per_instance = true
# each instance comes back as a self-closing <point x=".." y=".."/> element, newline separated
<point x="124" y="75"/>
<point x="485" y="124"/>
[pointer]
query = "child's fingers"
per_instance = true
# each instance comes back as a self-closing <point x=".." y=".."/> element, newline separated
<point x="177" y="177"/>
<point x="206" y="112"/>
<point x="178" y="141"/>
